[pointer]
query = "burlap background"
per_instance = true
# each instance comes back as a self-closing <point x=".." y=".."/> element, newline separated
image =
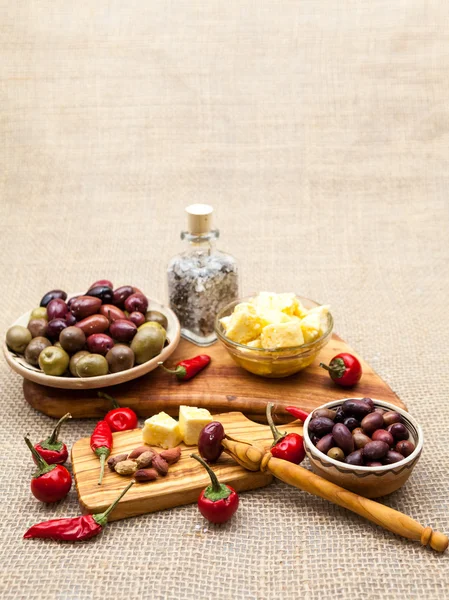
<point x="319" y="131"/>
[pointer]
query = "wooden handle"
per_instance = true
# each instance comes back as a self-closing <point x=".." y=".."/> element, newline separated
<point x="254" y="458"/>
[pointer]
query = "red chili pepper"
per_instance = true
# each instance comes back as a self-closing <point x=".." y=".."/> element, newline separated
<point x="120" y="418"/>
<point x="345" y="369"/>
<point x="101" y="444"/>
<point x="218" y="502"/>
<point x="52" y="450"/>
<point x="186" y="369"/>
<point x="297" y="412"/>
<point x="288" y="446"/>
<point x="50" y="483"/>
<point x="74" y="530"/>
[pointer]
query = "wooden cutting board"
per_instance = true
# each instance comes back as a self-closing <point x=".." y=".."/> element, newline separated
<point x="222" y="387"/>
<point x="184" y="481"/>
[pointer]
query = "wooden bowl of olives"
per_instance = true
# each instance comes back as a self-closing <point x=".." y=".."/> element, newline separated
<point x="93" y="340"/>
<point x="365" y="445"/>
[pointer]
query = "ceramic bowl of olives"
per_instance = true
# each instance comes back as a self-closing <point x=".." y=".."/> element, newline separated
<point x="95" y="339"/>
<point x="367" y="446"/>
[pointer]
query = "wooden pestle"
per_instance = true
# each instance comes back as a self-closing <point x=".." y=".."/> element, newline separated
<point x="254" y="458"/>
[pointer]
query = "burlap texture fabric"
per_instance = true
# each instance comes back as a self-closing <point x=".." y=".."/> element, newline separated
<point x="319" y="131"/>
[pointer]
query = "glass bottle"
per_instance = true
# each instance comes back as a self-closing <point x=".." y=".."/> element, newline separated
<point x="202" y="279"/>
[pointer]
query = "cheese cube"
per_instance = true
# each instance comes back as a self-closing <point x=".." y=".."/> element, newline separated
<point x="282" y="335"/>
<point x="161" y="430"/>
<point x="314" y="324"/>
<point x="225" y="322"/>
<point x="255" y="343"/>
<point x="271" y="317"/>
<point x="191" y="422"/>
<point x="244" y="326"/>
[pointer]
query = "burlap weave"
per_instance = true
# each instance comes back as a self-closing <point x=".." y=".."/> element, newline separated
<point x="319" y="130"/>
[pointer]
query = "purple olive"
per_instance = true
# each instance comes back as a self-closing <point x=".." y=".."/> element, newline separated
<point x="122" y="330"/>
<point x="393" y="457"/>
<point x="372" y="422"/>
<point x="399" y="431"/>
<point x="324" y="412"/>
<point x="356" y="408"/>
<point x="391" y="417"/>
<point x="343" y="438"/>
<point x="374" y="463"/>
<point x="99" y="343"/>
<point x="137" y="318"/>
<point x="369" y="402"/>
<point x="339" y="415"/>
<point x="210" y="441"/>
<point x="57" y="309"/>
<point x="326" y="443"/>
<point x="382" y="435"/>
<point x="375" y="450"/>
<point x="121" y="294"/>
<point x="355" y="458"/>
<point x="84" y="306"/>
<point x="136" y="302"/>
<point x="70" y="319"/>
<point x="405" y="447"/>
<point x="351" y="423"/>
<point x="51" y="296"/>
<point x="320" y="426"/>
<point x="105" y="282"/>
<point x="54" y="328"/>
<point x="314" y="438"/>
<point x="71" y="301"/>
<point x="104" y="292"/>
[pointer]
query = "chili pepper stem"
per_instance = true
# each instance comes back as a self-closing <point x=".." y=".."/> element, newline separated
<point x="102" y="463"/>
<point x="54" y="436"/>
<point x="115" y="404"/>
<point x="277" y="435"/>
<point x="216" y="491"/>
<point x="179" y="371"/>
<point x="336" y="367"/>
<point x="102" y="518"/>
<point x="42" y="465"/>
<point x="325" y="367"/>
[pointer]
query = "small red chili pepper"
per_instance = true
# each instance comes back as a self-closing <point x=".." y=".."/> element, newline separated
<point x="218" y="502"/>
<point x="74" y="530"/>
<point x="52" y="450"/>
<point x="186" y="369"/>
<point x="288" y="446"/>
<point x="120" y="418"/>
<point x="50" y="483"/>
<point x="344" y="369"/>
<point x="101" y="444"/>
<point x="297" y="412"/>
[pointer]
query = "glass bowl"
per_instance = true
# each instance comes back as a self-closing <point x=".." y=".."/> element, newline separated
<point x="272" y="363"/>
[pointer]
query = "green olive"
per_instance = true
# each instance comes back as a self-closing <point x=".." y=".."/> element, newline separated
<point x="152" y="324"/>
<point x="18" y="338"/>
<point x="147" y="343"/>
<point x="53" y="360"/>
<point x="155" y="315"/>
<point x="74" y="361"/>
<point x="120" y="358"/>
<point x="39" y="313"/>
<point x="34" y="349"/>
<point x="336" y="453"/>
<point x="72" y="339"/>
<point x="92" y="365"/>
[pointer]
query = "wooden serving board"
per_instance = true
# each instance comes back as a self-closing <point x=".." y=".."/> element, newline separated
<point x="184" y="481"/>
<point x="222" y="387"/>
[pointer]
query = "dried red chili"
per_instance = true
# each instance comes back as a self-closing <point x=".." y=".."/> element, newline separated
<point x="101" y="444"/>
<point x="52" y="450"/>
<point x="288" y="446"/>
<point x="120" y="418"/>
<point x="77" y="529"/>
<point x="297" y="412"/>
<point x="186" y="369"/>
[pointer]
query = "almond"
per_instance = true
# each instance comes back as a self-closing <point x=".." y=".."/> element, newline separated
<point x="144" y="460"/>
<point x="172" y="455"/>
<point x="138" y="451"/>
<point x="116" y="459"/>
<point x="160" y="464"/>
<point x="145" y="475"/>
<point x="126" y="467"/>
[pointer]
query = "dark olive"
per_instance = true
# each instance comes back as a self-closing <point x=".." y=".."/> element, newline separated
<point x="155" y="315"/>
<point x="70" y="319"/>
<point x="111" y="312"/>
<point x="336" y="453"/>
<point x="99" y="343"/>
<point x="351" y="423"/>
<point x="379" y="410"/>
<point x="137" y="318"/>
<point x="71" y="301"/>
<point x="122" y="330"/>
<point x="54" y="328"/>
<point x="104" y="292"/>
<point x="314" y="438"/>
<point x="84" y="306"/>
<point x="136" y="302"/>
<point x="391" y="417"/>
<point x="103" y="282"/>
<point x="355" y="458"/>
<point x="324" y="412"/>
<point x="373" y="463"/>
<point x="51" y="296"/>
<point x="121" y="294"/>
<point x="372" y="422"/>
<point x="326" y="443"/>
<point x="360" y="439"/>
<point x="369" y="402"/>
<point x="210" y="441"/>
<point x="339" y="415"/>
<point x="37" y="327"/>
<point x="34" y="348"/>
<point x="356" y="408"/>
<point x="393" y="457"/>
<point x="57" y="309"/>
<point x="320" y="426"/>
<point x="120" y="358"/>
<point x="375" y="450"/>
<point x="72" y="339"/>
<point x="343" y="438"/>
<point x="404" y="447"/>
<point x="399" y="431"/>
<point x="93" y="324"/>
<point x="382" y="435"/>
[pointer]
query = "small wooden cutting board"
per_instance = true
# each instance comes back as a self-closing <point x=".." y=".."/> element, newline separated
<point x="184" y="481"/>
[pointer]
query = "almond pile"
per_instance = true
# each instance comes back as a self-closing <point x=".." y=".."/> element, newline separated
<point x="144" y="463"/>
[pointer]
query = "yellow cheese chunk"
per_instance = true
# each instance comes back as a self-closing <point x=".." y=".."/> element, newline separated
<point x="191" y="422"/>
<point x="271" y="317"/>
<point x="161" y="430"/>
<point x="225" y="322"/>
<point x="255" y="343"/>
<point x="244" y="326"/>
<point x="282" y="335"/>
<point x="314" y="324"/>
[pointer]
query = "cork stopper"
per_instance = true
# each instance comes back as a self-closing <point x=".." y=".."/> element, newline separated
<point x="199" y="218"/>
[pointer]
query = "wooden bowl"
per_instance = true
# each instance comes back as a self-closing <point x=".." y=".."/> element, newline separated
<point x="20" y="366"/>
<point x="371" y="482"/>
